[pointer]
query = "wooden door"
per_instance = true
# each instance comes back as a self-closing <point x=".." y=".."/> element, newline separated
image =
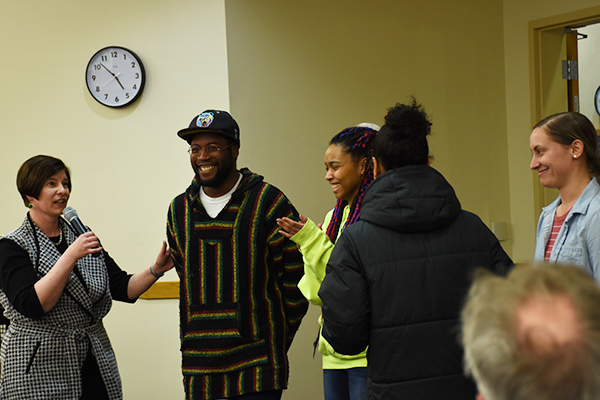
<point x="573" y="70"/>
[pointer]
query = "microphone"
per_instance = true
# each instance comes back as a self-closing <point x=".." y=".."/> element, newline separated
<point x="71" y="215"/>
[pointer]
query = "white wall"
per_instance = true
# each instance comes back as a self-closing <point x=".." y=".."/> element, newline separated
<point x="127" y="164"/>
<point x="589" y="73"/>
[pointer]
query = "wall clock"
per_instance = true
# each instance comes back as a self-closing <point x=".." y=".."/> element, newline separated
<point x="597" y="100"/>
<point x="115" y="76"/>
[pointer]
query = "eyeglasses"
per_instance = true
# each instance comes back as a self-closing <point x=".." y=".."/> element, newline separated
<point x="211" y="149"/>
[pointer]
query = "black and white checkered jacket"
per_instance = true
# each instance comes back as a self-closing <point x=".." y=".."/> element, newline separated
<point x="42" y="359"/>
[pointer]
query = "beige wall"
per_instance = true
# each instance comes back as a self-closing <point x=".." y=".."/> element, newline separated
<point x="126" y="164"/>
<point x="301" y="72"/>
<point x="295" y="73"/>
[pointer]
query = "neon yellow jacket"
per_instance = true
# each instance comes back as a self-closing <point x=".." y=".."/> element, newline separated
<point x="316" y="248"/>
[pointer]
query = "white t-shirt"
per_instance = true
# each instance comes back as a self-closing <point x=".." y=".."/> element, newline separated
<point x="214" y="205"/>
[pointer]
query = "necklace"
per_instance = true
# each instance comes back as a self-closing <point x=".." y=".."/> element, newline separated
<point x="60" y="237"/>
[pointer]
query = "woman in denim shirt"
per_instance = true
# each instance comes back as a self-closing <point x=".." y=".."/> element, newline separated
<point x="564" y="154"/>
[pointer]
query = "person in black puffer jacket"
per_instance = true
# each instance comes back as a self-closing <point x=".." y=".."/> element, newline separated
<point x="397" y="278"/>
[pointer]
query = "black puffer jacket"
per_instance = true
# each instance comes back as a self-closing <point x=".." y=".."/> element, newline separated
<point x="396" y="281"/>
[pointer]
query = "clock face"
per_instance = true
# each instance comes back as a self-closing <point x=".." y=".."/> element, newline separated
<point x="115" y="76"/>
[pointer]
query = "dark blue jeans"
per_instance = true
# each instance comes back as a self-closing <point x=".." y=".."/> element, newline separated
<point x="345" y="384"/>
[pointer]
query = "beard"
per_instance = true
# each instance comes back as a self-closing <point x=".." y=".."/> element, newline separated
<point x="224" y="169"/>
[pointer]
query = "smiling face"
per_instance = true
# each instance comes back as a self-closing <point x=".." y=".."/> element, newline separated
<point x="216" y="171"/>
<point x="53" y="197"/>
<point x="552" y="160"/>
<point x="344" y="173"/>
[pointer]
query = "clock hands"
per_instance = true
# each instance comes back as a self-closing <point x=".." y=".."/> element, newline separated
<point x="114" y="76"/>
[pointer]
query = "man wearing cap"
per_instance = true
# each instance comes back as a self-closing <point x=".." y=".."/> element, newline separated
<point x="239" y="301"/>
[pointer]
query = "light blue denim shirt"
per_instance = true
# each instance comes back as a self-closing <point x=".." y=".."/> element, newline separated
<point x="578" y="241"/>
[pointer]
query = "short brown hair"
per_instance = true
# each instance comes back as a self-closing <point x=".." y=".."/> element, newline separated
<point x="34" y="172"/>
<point x="566" y="127"/>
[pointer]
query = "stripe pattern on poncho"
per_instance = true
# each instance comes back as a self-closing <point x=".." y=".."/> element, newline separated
<point x="239" y="301"/>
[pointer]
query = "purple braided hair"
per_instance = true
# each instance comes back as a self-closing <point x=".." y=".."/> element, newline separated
<point x="360" y="146"/>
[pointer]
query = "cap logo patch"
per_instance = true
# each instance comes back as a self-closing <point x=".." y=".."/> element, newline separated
<point x="205" y="119"/>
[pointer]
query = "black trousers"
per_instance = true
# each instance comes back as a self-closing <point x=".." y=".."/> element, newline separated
<point x="93" y="387"/>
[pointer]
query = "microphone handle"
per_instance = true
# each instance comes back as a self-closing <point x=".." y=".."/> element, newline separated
<point x="80" y="228"/>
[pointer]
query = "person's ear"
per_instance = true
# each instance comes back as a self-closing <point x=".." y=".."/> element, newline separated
<point x="362" y="166"/>
<point x="479" y="397"/>
<point x="376" y="168"/>
<point x="577" y="148"/>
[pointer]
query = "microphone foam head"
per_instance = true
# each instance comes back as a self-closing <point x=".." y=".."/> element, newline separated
<point x="69" y="213"/>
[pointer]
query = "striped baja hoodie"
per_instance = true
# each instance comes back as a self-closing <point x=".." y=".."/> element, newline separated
<point x="240" y="305"/>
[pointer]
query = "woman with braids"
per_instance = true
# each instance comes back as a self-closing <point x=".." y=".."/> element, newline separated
<point x="397" y="277"/>
<point x="349" y="171"/>
<point x="564" y="154"/>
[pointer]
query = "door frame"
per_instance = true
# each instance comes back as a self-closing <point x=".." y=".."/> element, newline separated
<point x="548" y="92"/>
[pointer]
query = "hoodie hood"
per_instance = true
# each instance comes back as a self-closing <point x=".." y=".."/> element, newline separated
<point x="415" y="198"/>
<point x="249" y="180"/>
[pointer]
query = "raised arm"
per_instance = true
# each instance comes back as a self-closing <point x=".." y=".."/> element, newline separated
<point x="50" y="287"/>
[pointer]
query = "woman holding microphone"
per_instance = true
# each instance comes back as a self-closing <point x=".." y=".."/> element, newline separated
<point x="56" y="287"/>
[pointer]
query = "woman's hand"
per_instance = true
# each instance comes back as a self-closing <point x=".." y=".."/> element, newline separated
<point x="289" y="227"/>
<point x="142" y="281"/>
<point x="86" y="243"/>
<point x="51" y="286"/>
<point x="164" y="261"/>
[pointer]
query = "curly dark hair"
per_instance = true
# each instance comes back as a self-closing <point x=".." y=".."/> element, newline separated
<point x="402" y="140"/>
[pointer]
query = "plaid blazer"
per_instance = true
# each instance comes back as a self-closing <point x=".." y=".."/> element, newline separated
<point x="42" y="358"/>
